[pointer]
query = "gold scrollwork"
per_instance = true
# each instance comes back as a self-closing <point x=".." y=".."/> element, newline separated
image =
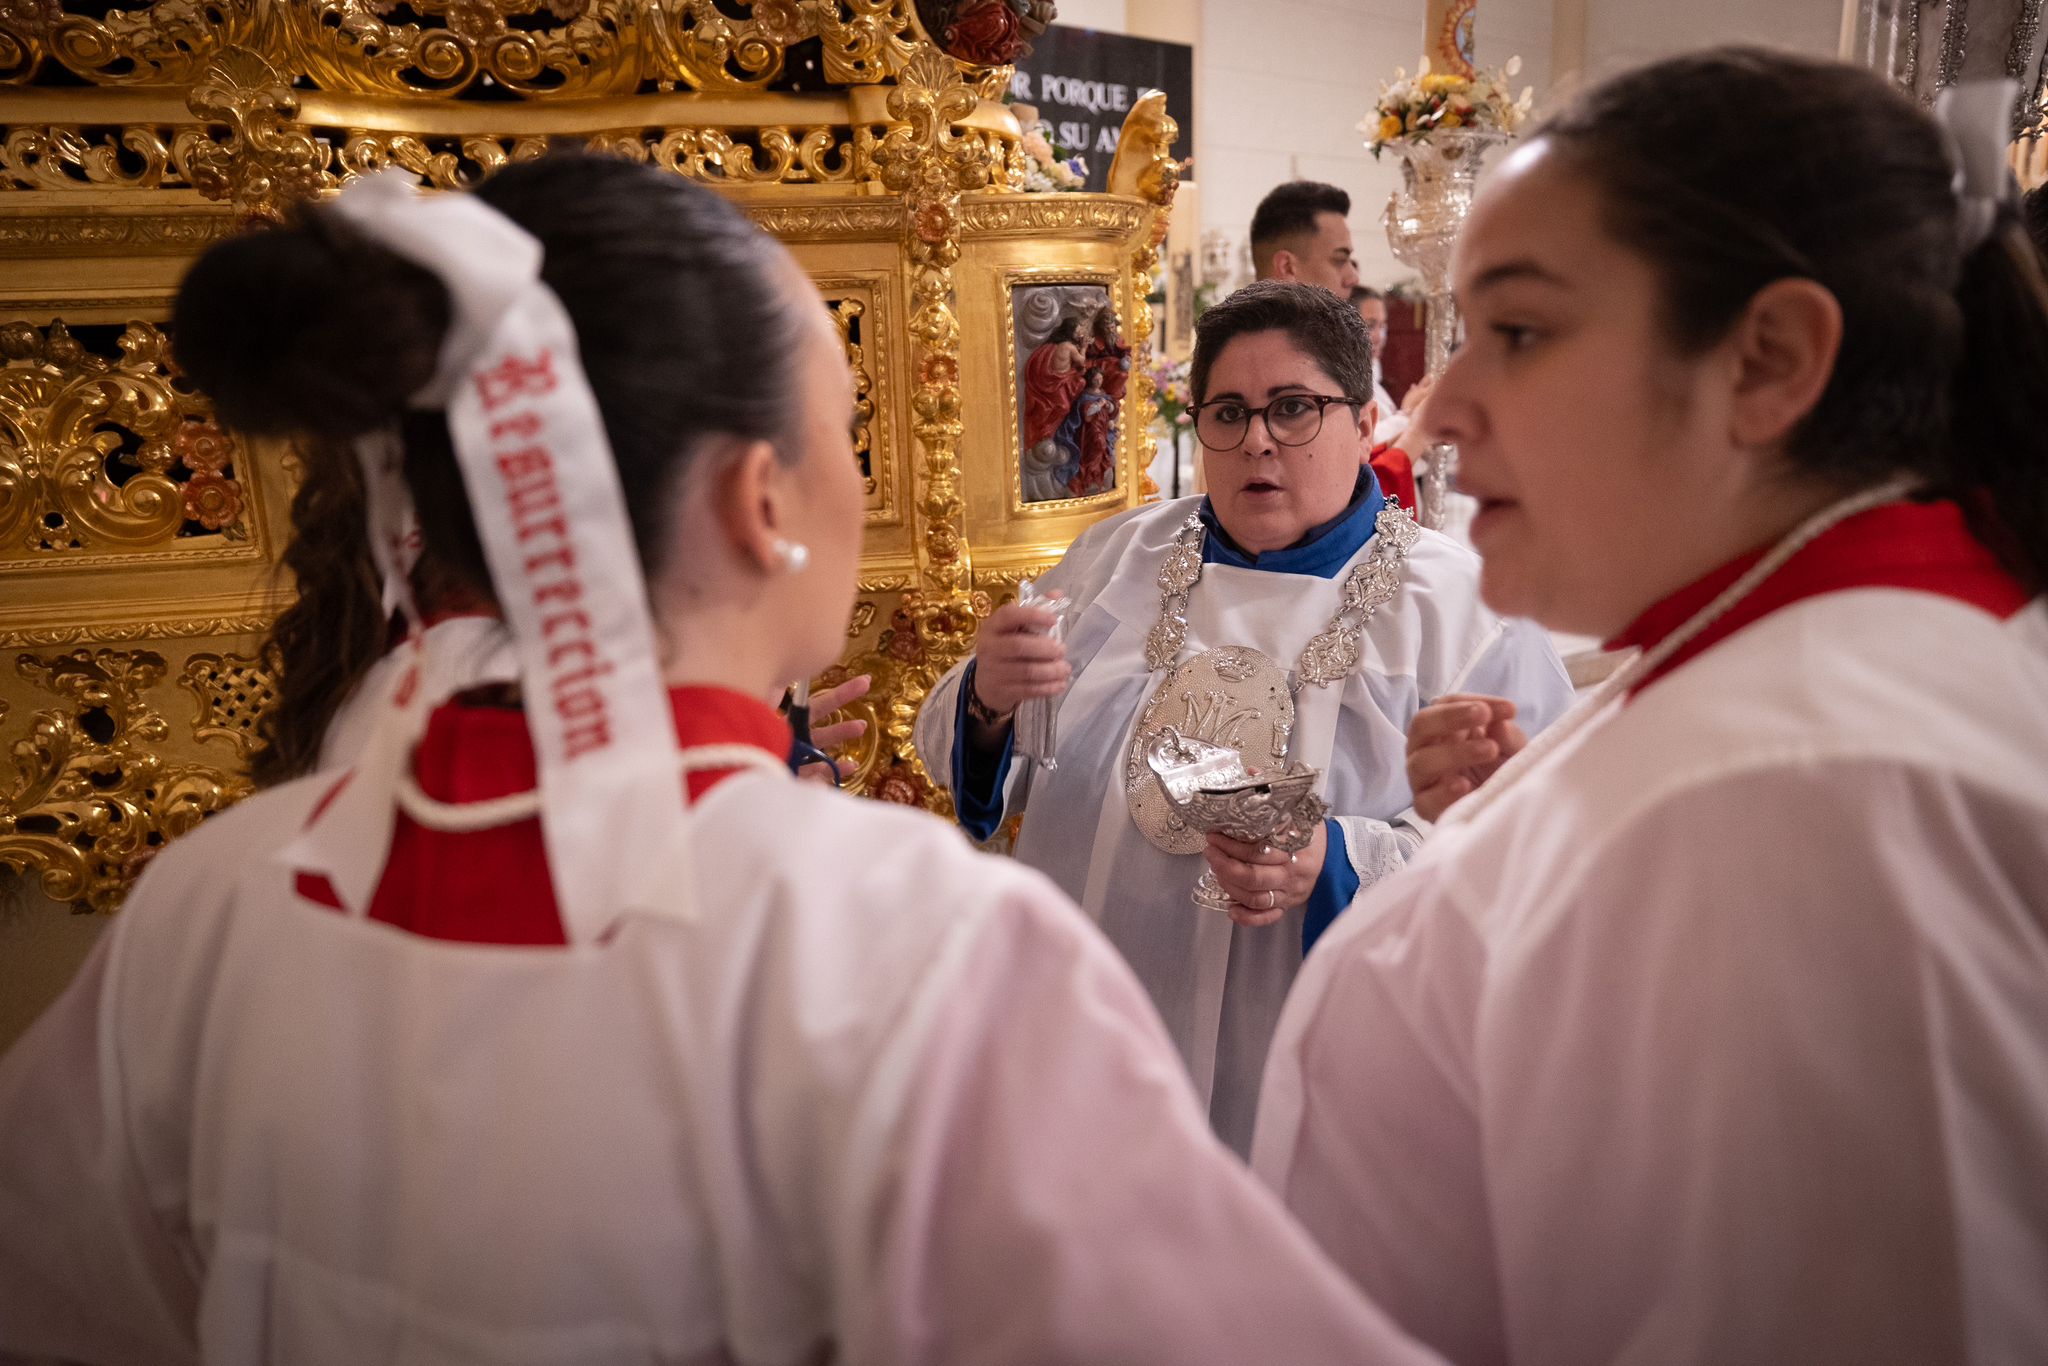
<point x="233" y="691"/>
<point x="162" y="43"/>
<point x="90" y="798"/>
<point x="70" y="158"/>
<point x="593" y="48"/>
<point x="866" y="41"/>
<point x="448" y="49"/>
<point x="97" y="452"/>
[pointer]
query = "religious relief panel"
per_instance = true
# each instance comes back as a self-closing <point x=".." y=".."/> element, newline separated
<point x="1072" y="370"/>
<point x="104" y="449"/>
<point x="985" y="32"/>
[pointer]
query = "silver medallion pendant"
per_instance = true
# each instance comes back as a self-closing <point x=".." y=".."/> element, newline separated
<point x="1232" y="696"/>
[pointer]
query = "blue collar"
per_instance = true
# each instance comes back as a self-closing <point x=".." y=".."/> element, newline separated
<point x="1324" y="551"/>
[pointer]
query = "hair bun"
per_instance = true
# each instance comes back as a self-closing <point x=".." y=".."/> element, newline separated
<point x="309" y="329"/>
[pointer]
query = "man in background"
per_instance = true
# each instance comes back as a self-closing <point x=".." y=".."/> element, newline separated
<point x="1302" y="231"/>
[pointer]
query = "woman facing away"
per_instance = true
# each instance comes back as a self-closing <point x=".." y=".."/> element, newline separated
<point x="1714" y="1026"/>
<point x="1291" y="614"/>
<point x="575" y="1031"/>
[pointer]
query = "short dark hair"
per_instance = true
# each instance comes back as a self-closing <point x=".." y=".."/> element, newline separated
<point x="1326" y="327"/>
<point x="1290" y="210"/>
<point x="1360" y="293"/>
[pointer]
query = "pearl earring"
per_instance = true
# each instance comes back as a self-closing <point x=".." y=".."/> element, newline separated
<point x="792" y="555"/>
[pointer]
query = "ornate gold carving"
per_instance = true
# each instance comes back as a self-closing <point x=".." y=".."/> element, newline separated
<point x="1145" y="167"/>
<point x="166" y="42"/>
<point x="266" y="162"/>
<point x="67" y="158"/>
<point x="846" y="316"/>
<point x="91" y="798"/>
<point x="233" y="693"/>
<point x="97" y="452"/>
<point x="253" y="624"/>
<point x="865" y="41"/>
<point x="1066" y="214"/>
<point x="152" y="234"/>
<point x="836" y="222"/>
<point x="594" y="48"/>
<point x="447" y="49"/>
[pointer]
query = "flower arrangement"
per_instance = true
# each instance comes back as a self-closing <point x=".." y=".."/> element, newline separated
<point x="1048" y="167"/>
<point x="1170" y="383"/>
<point x="1412" y="108"/>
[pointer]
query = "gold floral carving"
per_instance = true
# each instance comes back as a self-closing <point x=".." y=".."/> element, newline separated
<point x="98" y="453"/>
<point x="1145" y="168"/>
<point x="928" y="161"/>
<point x="267" y="162"/>
<point x="90" y="798"/>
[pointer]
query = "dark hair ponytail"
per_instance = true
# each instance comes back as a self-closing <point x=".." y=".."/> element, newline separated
<point x="685" y="325"/>
<point x="1733" y="168"/>
<point x="1999" y="400"/>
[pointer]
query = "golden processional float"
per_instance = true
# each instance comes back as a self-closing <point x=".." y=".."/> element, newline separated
<point x="140" y="544"/>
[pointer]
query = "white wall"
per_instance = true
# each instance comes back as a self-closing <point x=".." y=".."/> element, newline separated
<point x="1109" y="15"/>
<point x="1281" y="85"/>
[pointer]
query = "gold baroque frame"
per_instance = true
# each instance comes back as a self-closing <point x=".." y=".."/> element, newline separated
<point x="1118" y="495"/>
<point x="196" y="119"/>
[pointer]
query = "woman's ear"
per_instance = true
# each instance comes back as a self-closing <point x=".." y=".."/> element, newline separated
<point x="1784" y="348"/>
<point x="749" y="501"/>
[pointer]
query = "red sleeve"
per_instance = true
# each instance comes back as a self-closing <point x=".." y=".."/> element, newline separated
<point x="1396" y="473"/>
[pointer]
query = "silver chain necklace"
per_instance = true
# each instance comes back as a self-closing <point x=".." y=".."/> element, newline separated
<point x="1232" y="695"/>
<point x="1332" y="654"/>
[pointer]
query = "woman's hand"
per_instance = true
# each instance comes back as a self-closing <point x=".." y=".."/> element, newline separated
<point x="1015" y="658"/>
<point x="829" y="736"/>
<point x="1265" y="883"/>
<point x="1455" y="744"/>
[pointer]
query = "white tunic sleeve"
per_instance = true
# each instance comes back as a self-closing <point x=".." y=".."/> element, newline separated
<point x="1057" y="1195"/>
<point x="87" y="1271"/>
<point x="1745" y="1085"/>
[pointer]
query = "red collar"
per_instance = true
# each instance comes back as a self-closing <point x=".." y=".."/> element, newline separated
<point x="473" y="753"/>
<point x="1924" y="547"/>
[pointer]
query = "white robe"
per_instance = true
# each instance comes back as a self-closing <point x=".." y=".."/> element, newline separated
<point x="886" y="1097"/>
<point x="1723" y="1037"/>
<point x="1433" y="637"/>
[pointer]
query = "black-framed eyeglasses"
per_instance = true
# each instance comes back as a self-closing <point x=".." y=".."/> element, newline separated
<point x="1293" y="419"/>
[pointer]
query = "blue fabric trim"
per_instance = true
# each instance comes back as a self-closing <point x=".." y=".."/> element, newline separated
<point x="977" y="788"/>
<point x="1323" y="552"/>
<point x="1335" y="886"/>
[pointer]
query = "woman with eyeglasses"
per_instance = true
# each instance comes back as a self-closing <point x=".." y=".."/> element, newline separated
<point x="1292" y="615"/>
<point x="1713" y="1027"/>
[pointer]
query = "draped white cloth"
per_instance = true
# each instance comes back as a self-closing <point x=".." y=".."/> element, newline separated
<point x="902" y="1109"/>
<point x="1219" y="986"/>
<point x="456" y="654"/>
<point x="1723" y="1037"/>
